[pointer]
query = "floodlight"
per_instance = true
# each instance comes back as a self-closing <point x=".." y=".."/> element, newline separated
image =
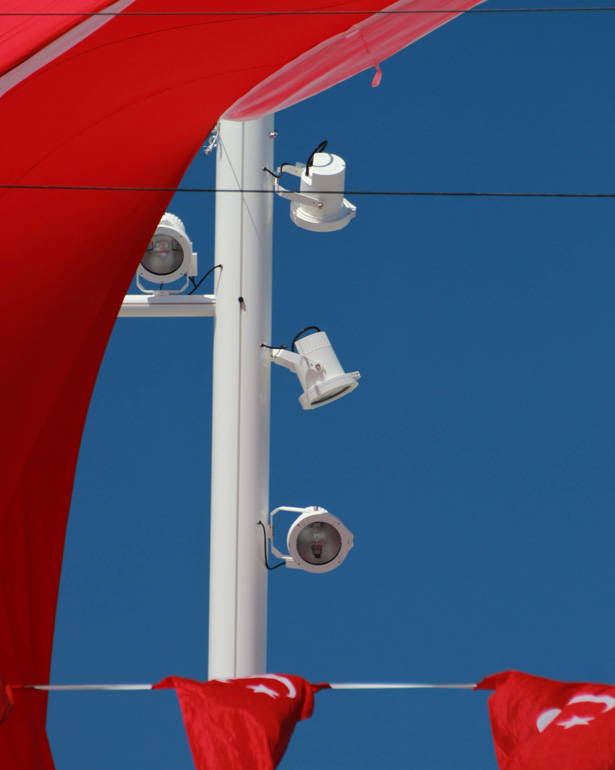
<point x="319" y="204"/>
<point x="317" y="541"/>
<point x="319" y="371"/>
<point x="169" y="256"/>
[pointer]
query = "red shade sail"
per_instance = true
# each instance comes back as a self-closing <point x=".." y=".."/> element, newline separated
<point x="101" y="101"/>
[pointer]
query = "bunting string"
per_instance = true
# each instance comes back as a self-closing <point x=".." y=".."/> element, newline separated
<point x="338" y="686"/>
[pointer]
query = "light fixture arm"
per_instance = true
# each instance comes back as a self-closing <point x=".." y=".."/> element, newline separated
<point x="294" y="362"/>
<point x="287" y="558"/>
<point x="294" y="195"/>
<point x="296" y="170"/>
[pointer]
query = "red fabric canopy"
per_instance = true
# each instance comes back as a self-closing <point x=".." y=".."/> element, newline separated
<point x="113" y="101"/>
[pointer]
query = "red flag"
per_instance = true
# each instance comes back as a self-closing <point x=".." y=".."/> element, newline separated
<point x="244" y="724"/>
<point x="542" y="724"/>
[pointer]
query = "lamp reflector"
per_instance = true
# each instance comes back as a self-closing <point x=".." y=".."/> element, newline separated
<point x="318" y="543"/>
<point x="163" y="256"/>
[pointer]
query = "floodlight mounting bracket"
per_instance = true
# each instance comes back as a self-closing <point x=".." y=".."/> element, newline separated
<point x="298" y="197"/>
<point x="294" y="195"/>
<point x="287" y="558"/>
<point x="293" y="361"/>
<point x="162" y="292"/>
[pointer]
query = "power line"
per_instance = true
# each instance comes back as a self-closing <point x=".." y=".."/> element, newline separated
<point x="401" y="193"/>
<point x="306" y="13"/>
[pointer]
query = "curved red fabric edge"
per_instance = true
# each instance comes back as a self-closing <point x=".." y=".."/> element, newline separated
<point x="366" y="43"/>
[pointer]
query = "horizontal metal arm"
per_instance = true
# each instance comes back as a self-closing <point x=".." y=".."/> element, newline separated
<point x="293" y="361"/>
<point x="168" y="306"/>
<point x="299" y="197"/>
<point x="286" y="359"/>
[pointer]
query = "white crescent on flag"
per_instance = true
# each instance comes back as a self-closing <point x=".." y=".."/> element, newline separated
<point x="608" y="700"/>
<point x="292" y="692"/>
<point x="545" y="719"/>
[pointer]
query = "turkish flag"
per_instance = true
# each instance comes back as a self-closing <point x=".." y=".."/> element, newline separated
<point x="542" y="724"/>
<point x="243" y="724"/>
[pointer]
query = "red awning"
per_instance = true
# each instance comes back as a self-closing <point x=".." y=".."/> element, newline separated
<point x="122" y="101"/>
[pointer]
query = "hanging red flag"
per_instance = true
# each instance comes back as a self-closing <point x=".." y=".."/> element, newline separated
<point x="542" y="724"/>
<point x="244" y="724"/>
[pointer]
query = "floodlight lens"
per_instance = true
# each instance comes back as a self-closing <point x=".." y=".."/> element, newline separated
<point x="318" y="543"/>
<point x="164" y="255"/>
<point x="332" y="394"/>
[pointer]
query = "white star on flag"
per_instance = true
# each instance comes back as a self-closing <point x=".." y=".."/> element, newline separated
<point x="574" y="721"/>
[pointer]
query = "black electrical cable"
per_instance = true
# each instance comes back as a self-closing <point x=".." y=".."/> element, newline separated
<point x="282" y="563"/>
<point x="278" y="175"/>
<point x="310" y="161"/>
<point x="402" y="193"/>
<point x="274" y="347"/>
<point x="405" y="12"/>
<point x="196" y="285"/>
<point x="303" y="331"/>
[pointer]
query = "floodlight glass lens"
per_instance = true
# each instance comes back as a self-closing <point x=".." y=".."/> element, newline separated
<point x="164" y="255"/>
<point x="318" y="543"/>
<point x="331" y="394"/>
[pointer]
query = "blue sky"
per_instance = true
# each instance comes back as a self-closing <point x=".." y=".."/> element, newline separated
<point x="474" y="463"/>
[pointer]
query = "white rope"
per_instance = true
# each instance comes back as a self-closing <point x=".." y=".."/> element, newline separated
<point x="359" y="686"/>
<point x="364" y="686"/>
<point x="50" y="687"/>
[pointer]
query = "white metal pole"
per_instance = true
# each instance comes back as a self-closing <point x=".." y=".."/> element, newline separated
<point x="241" y="393"/>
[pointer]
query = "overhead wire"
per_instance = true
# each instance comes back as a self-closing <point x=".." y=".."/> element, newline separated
<point x="416" y="193"/>
<point x="402" y="193"/>
<point x="404" y="12"/>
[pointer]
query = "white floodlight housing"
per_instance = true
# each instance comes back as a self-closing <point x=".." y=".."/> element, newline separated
<point x="319" y="371"/>
<point x="169" y="256"/>
<point x="317" y="541"/>
<point x="320" y="204"/>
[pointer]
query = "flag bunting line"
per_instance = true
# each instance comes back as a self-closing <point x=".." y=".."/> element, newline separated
<point x="339" y="686"/>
